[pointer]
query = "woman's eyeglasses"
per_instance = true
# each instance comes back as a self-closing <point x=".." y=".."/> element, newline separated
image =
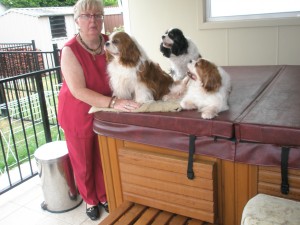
<point x="90" y="16"/>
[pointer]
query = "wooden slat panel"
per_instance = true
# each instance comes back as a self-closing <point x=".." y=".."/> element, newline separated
<point x="274" y="189"/>
<point x="146" y="186"/>
<point x="175" y="164"/>
<point x="147" y="217"/>
<point x="180" y="200"/>
<point x="178" y="189"/>
<point x="278" y="169"/>
<point x="168" y="176"/>
<point x="269" y="182"/>
<point x="274" y="177"/>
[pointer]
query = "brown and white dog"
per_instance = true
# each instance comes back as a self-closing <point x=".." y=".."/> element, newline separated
<point x="132" y="74"/>
<point x="206" y="88"/>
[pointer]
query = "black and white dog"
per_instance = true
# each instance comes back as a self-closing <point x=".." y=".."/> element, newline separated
<point x="180" y="50"/>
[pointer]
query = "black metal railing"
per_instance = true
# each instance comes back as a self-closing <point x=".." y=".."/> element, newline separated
<point x="28" y="115"/>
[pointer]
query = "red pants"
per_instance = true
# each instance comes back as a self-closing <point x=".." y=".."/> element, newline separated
<point x="87" y="167"/>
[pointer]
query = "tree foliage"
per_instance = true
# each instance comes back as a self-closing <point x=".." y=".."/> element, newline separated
<point x="46" y="3"/>
<point x="36" y="3"/>
<point x="110" y="2"/>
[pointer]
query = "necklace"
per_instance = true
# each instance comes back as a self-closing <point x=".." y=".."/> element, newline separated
<point x="93" y="51"/>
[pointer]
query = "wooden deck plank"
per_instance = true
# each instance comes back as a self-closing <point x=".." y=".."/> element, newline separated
<point x="147" y="217"/>
<point x="178" y="220"/>
<point x="131" y="215"/>
<point x="170" y="207"/>
<point x="195" y="222"/>
<point x="117" y="213"/>
<point x="163" y="218"/>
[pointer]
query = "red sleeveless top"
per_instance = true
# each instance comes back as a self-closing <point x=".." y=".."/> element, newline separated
<point x="72" y="113"/>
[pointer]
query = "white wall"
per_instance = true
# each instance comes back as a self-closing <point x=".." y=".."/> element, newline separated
<point x="249" y="45"/>
<point x="14" y="29"/>
<point x="21" y="28"/>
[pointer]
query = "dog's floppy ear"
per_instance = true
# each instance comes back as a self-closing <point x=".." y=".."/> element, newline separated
<point x="165" y="51"/>
<point x="180" y="45"/>
<point x="130" y="54"/>
<point x="210" y="76"/>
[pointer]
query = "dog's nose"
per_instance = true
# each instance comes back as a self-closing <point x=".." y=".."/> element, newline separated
<point x="107" y="44"/>
<point x="163" y="37"/>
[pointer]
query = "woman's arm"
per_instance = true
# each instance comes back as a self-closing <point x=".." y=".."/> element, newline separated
<point x="73" y="74"/>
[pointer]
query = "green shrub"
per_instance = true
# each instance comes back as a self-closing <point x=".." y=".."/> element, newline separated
<point x="110" y="2"/>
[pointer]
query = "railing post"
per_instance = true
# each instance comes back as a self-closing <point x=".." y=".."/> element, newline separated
<point x="33" y="45"/>
<point x="2" y="100"/>
<point x="44" y="112"/>
<point x="34" y="60"/>
<point x="57" y="62"/>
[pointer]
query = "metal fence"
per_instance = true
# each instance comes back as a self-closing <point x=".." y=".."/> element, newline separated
<point x="18" y="46"/>
<point x="21" y="58"/>
<point x="28" y="114"/>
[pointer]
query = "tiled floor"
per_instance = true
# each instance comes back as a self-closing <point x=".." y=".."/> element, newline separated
<point x="22" y="205"/>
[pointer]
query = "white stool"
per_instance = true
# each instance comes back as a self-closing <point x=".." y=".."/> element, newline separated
<point x="269" y="210"/>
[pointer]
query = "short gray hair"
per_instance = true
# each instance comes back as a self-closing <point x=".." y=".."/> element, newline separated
<point x="85" y="5"/>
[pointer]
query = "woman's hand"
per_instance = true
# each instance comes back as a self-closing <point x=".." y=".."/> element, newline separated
<point x="126" y="105"/>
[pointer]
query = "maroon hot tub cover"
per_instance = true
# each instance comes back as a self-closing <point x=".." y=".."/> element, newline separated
<point x="272" y="123"/>
<point x="215" y="137"/>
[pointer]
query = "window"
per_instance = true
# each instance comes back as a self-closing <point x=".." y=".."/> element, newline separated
<point x="220" y="10"/>
<point x="218" y="14"/>
<point x="58" y="26"/>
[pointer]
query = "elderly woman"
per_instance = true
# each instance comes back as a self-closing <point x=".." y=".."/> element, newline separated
<point x="83" y="65"/>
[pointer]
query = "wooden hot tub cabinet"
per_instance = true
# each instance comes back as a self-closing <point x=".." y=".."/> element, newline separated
<point x="237" y="154"/>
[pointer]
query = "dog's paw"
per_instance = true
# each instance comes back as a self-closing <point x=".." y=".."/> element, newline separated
<point x="165" y="98"/>
<point x="189" y="105"/>
<point x="208" y="115"/>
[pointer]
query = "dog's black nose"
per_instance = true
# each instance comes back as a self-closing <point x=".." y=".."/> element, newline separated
<point x="107" y="43"/>
<point x="163" y="37"/>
